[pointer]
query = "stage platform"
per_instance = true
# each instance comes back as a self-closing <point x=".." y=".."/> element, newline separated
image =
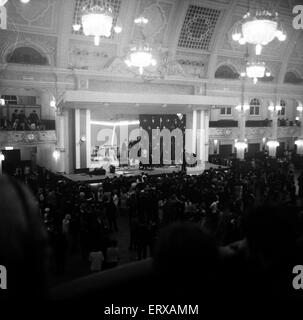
<point x="133" y="172"/>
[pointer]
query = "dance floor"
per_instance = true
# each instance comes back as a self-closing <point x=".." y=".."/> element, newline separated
<point x="132" y="172"/>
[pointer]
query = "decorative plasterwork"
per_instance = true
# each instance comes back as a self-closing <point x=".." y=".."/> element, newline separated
<point x="157" y="12"/>
<point x="252" y="133"/>
<point x="82" y="56"/>
<point x="37" y="13"/>
<point x="27" y="137"/>
<point x="46" y="45"/>
<point x="166" y="67"/>
<point x="297" y="53"/>
<point x="98" y="85"/>
<point x="296" y="68"/>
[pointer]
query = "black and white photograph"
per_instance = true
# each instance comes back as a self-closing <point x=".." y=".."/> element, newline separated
<point x="151" y="155"/>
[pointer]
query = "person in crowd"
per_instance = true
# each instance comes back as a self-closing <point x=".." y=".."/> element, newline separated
<point x="23" y="124"/>
<point x="23" y="243"/>
<point x="33" y="119"/>
<point x="112" y="255"/>
<point x="60" y="248"/>
<point x="300" y="183"/>
<point x="96" y="259"/>
<point x="186" y="263"/>
<point x="14" y="117"/>
<point x="111" y="213"/>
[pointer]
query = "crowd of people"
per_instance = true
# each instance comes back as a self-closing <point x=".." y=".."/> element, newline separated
<point x="282" y="122"/>
<point x="19" y="121"/>
<point x="184" y="222"/>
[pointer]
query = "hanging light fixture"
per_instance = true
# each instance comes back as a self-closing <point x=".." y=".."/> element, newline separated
<point x="141" y="56"/>
<point x="97" y="20"/>
<point x="256" y="70"/>
<point x="258" y="28"/>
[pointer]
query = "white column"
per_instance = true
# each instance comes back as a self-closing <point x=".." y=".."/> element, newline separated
<point x="61" y="140"/>
<point x="77" y="137"/>
<point x="206" y="126"/>
<point x="194" y="135"/>
<point x="299" y="142"/>
<point x="202" y="137"/>
<point x="242" y="125"/>
<point x="273" y="143"/>
<point x="275" y="125"/>
<point x="88" y="138"/>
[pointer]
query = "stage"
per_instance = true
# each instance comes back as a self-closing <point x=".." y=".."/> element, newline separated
<point x="134" y="172"/>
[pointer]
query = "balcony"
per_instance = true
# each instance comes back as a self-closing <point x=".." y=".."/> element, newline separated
<point x="25" y="138"/>
<point x="253" y="132"/>
<point x="223" y="124"/>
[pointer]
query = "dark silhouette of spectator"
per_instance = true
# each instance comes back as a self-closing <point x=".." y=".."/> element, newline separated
<point x="23" y="243"/>
<point x="271" y="251"/>
<point x="300" y="183"/>
<point x="22" y="120"/>
<point x="60" y="252"/>
<point x="14" y="116"/>
<point x="111" y="213"/>
<point x="186" y="263"/>
<point x="112" y="255"/>
<point x="33" y="119"/>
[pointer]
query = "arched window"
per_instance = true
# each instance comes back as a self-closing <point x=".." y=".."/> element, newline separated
<point x="282" y="111"/>
<point x="26" y="55"/>
<point x="226" y="72"/>
<point x="254" y="107"/>
<point x="292" y="77"/>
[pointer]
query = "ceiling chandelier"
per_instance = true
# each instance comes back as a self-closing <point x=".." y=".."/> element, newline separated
<point x="255" y="70"/>
<point x="141" y="56"/>
<point x="259" y="29"/>
<point x="97" y="20"/>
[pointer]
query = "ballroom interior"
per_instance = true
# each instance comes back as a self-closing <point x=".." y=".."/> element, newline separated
<point x="196" y="69"/>
<point x="127" y="117"/>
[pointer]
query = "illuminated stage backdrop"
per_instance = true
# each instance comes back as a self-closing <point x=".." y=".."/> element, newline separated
<point x="169" y="122"/>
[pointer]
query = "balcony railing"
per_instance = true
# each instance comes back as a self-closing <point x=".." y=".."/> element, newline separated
<point x="15" y="138"/>
<point x="42" y="125"/>
<point x="253" y="132"/>
<point x="223" y="124"/>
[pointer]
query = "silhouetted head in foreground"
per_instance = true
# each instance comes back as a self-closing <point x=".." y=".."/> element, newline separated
<point x="23" y="249"/>
<point x="186" y="261"/>
<point x="271" y="235"/>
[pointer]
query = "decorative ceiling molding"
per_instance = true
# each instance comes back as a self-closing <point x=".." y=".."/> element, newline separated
<point x="35" y="10"/>
<point x="219" y="38"/>
<point x="287" y="56"/>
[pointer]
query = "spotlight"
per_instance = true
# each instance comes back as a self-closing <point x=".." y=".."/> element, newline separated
<point x="56" y="155"/>
<point x="53" y="103"/>
<point x="25" y="1"/>
<point x="77" y="27"/>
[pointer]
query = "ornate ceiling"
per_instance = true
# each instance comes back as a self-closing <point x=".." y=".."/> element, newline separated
<point x="192" y="38"/>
